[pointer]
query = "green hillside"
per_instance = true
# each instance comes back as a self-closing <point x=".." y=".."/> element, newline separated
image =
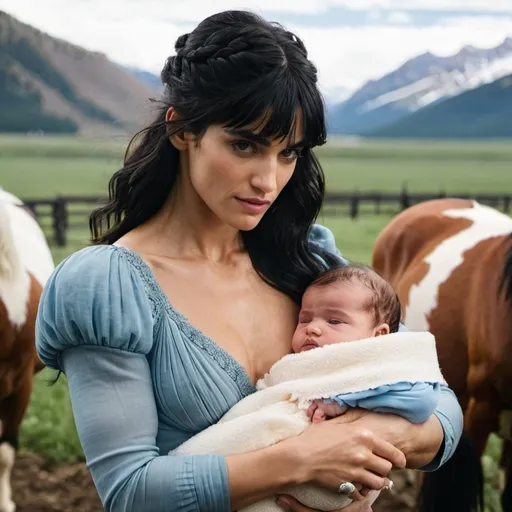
<point x="21" y="105"/>
<point x="50" y="85"/>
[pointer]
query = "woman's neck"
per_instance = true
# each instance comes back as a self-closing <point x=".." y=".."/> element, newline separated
<point x="186" y="228"/>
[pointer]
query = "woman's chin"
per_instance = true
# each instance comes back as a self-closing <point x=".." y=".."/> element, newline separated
<point x="246" y="222"/>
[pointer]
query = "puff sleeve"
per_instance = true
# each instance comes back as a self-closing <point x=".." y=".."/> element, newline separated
<point x="93" y="298"/>
<point x="95" y="323"/>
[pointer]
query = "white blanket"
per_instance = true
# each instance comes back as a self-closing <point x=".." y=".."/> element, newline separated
<point x="277" y="410"/>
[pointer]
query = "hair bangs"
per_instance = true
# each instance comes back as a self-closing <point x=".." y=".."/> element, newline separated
<point x="275" y="107"/>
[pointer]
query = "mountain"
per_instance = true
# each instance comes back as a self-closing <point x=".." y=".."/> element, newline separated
<point x="50" y="85"/>
<point x="421" y="81"/>
<point x="150" y="79"/>
<point x="484" y="112"/>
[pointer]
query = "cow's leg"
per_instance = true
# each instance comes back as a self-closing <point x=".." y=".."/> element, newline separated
<point x="13" y="408"/>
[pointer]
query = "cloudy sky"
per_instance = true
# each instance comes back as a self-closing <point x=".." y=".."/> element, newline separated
<point x="351" y="41"/>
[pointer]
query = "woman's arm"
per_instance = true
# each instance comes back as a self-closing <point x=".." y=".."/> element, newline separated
<point x="450" y="416"/>
<point x="116" y="418"/>
<point x="420" y="442"/>
<point x="426" y="446"/>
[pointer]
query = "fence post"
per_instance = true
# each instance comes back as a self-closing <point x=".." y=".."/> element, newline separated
<point x="60" y="221"/>
<point x="404" y="197"/>
<point x="354" y="206"/>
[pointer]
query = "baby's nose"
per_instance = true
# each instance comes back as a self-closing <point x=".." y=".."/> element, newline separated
<point x="314" y="328"/>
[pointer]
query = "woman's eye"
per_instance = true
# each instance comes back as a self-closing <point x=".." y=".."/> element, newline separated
<point x="242" y="146"/>
<point x="291" y="154"/>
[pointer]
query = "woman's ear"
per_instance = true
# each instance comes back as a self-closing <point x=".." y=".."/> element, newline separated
<point x="179" y="139"/>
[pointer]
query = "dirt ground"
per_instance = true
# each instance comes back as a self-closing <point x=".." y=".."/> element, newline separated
<point x="41" y="487"/>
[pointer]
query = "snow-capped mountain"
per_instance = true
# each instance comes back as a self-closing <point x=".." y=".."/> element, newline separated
<point x="421" y="81"/>
<point x="335" y="94"/>
<point x="484" y="112"/>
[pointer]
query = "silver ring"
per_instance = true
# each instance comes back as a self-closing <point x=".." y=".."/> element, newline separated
<point x="346" y="488"/>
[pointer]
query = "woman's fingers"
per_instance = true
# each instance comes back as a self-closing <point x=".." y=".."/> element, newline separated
<point x="356" y="496"/>
<point x="389" y="452"/>
<point x="369" y="479"/>
<point x="365" y="491"/>
<point x="379" y="466"/>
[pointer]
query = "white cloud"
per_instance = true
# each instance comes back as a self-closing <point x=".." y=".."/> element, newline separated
<point x="193" y="10"/>
<point x="361" y="53"/>
<point x="429" y="5"/>
<point x="142" y="33"/>
<point x="398" y="18"/>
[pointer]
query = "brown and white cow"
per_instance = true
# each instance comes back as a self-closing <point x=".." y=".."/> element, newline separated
<point x="25" y="265"/>
<point x="450" y="261"/>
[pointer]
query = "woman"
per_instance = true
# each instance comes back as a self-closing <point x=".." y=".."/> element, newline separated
<point x="209" y="235"/>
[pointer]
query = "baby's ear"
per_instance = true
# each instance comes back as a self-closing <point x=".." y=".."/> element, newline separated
<point x="381" y="330"/>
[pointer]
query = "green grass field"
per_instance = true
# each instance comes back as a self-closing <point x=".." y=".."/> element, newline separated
<point x="45" y="167"/>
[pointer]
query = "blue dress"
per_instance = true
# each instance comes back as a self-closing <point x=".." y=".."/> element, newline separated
<point x="143" y="380"/>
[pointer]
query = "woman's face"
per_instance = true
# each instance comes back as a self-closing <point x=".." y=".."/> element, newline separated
<point x="238" y="174"/>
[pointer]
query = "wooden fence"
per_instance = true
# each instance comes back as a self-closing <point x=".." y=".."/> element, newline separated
<point x="64" y="213"/>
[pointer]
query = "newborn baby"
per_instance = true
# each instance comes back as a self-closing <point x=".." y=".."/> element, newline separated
<point x="350" y="304"/>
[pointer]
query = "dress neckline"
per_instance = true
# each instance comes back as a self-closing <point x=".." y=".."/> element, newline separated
<point x="160" y="303"/>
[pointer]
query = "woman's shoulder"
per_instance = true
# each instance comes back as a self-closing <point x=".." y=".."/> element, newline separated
<point x="99" y="271"/>
<point x="94" y="297"/>
<point x="93" y="256"/>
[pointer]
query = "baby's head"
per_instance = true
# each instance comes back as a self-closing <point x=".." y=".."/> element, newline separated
<point x="346" y="304"/>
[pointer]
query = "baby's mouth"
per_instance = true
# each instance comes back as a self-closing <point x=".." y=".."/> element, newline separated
<point x="309" y="344"/>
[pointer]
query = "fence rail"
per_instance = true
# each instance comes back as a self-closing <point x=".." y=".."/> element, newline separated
<point x="62" y="213"/>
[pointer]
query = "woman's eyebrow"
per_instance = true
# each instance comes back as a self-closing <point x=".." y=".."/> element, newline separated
<point x="299" y="144"/>
<point x="259" y="139"/>
<point x="254" y="137"/>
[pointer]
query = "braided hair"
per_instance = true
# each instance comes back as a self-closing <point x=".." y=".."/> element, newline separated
<point x="233" y="69"/>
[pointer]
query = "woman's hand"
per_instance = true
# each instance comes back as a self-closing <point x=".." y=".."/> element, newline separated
<point x="292" y="505"/>
<point x="332" y="452"/>
<point x="420" y="442"/>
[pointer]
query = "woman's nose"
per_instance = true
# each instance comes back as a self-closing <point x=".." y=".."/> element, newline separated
<point x="265" y="178"/>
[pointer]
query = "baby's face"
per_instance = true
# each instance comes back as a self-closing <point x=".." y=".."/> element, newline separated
<point x="333" y="314"/>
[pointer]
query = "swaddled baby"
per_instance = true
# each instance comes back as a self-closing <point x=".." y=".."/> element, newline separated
<point x="349" y="304"/>
<point x="347" y="353"/>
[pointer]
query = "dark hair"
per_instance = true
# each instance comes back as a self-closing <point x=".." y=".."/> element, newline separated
<point x="384" y="303"/>
<point x="234" y="69"/>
